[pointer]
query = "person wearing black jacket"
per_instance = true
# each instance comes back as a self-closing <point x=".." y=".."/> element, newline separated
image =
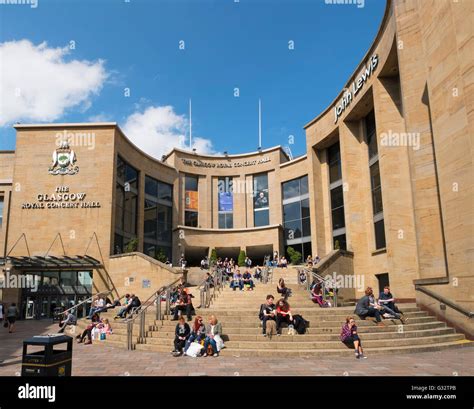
<point x="267" y="312"/>
<point x="181" y="335"/>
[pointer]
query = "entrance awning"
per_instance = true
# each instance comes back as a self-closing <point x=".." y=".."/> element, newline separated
<point x="52" y="262"/>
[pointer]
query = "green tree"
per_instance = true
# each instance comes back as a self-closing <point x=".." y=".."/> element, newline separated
<point x="337" y="246"/>
<point x="241" y="259"/>
<point x="131" y="246"/>
<point x="295" y="256"/>
<point x="213" y="257"/>
<point x="161" y="256"/>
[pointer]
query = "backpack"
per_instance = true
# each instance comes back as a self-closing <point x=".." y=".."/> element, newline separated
<point x="260" y="314"/>
<point x="300" y="324"/>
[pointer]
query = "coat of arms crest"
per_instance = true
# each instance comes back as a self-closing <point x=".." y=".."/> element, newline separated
<point x="64" y="160"/>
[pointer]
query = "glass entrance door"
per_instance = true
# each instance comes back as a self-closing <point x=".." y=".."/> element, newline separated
<point x="30" y="308"/>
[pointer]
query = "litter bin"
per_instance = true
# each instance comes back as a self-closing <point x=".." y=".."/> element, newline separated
<point x="48" y="361"/>
<point x="57" y="314"/>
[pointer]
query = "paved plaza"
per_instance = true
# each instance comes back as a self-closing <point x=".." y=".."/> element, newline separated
<point x="101" y="360"/>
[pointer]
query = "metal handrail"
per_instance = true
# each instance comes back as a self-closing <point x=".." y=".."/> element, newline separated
<point x="87" y="300"/>
<point x="153" y="300"/>
<point x="444" y="300"/>
<point x="311" y="276"/>
<point x="205" y="288"/>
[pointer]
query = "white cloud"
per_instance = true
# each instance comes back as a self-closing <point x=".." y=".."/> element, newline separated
<point x="158" y="129"/>
<point x="38" y="84"/>
<point x="101" y="117"/>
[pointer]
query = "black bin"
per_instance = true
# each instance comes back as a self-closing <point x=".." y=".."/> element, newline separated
<point x="48" y="361"/>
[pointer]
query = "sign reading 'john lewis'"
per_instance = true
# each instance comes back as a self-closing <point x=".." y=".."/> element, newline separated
<point x="356" y="87"/>
<point x="201" y="164"/>
<point x="62" y="198"/>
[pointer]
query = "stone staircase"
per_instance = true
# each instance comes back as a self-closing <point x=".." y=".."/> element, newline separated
<point x="238" y="313"/>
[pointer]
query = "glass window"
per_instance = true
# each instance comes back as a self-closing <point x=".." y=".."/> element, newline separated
<point x="261" y="218"/>
<point x="191" y="219"/>
<point x="337" y="197"/>
<point x="334" y="162"/>
<point x="338" y="221"/>
<point x="165" y="191"/>
<point x="293" y="229"/>
<point x="68" y="278"/>
<point x="261" y="200"/>
<point x="292" y="211"/>
<point x="306" y="227"/>
<point x="291" y="189"/>
<point x="371" y="134"/>
<point x="151" y="186"/>
<point x="305" y="208"/>
<point x="126" y="203"/>
<point x="260" y="185"/>
<point x="191" y="183"/>
<point x="340" y="242"/>
<point x="1" y="210"/>
<point x="376" y="188"/>
<point x="304" y="185"/>
<point x="379" y="234"/>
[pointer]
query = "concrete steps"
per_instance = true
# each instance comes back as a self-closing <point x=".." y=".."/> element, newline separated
<point x="238" y="313"/>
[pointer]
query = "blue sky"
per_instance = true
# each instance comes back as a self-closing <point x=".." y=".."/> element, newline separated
<point x="227" y="45"/>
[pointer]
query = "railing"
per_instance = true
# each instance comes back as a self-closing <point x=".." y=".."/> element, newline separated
<point x="267" y="273"/>
<point x="106" y="293"/>
<point x="326" y="284"/>
<point x="208" y="290"/>
<point x="445" y="301"/>
<point x="153" y="300"/>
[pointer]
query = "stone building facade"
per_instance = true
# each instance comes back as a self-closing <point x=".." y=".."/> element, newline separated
<point x="388" y="177"/>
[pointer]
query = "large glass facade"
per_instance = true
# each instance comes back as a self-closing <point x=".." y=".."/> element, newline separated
<point x="375" y="182"/>
<point x="225" y="203"/>
<point x="296" y="217"/>
<point x="47" y="290"/>
<point x="191" y="202"/>
<point x="158" y="219"/>
<point x="126" y="206"/>
<point x="261" y="203"/>
<point x="337" y="197"/>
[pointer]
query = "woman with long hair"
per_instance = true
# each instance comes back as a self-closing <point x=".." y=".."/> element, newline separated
<point x="283" y="289"/>
<point x="283" y="314"/>
<point x="213" y="337"/>
<point x="350" y="338"/>
<point x="198" y="332"/>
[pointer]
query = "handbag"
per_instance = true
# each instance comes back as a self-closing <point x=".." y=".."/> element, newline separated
<point x="5" y="324"/>
<point x="194" y="349"/>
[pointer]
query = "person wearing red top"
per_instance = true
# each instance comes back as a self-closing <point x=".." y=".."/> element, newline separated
<point x="283" y="314"/>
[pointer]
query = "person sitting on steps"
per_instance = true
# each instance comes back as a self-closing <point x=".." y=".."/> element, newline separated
<point x="95" y="320"/>
<point x="351" y="339"/>
<point x="121" y="313"/>
<point x="182" y="333"/>
<point x="237" y="281"/>
<point x="258" y="273"/>
<point x="364" y="309"/>
<point x="247" y="280"/>
<point x="387" y="301"/>
<point x="183" y="304"/>
<point x="283" y="289"/>
<point x="213" y="337"/>
<point x="198" y="332"/>
<point x="283" y="314"/>
<point x="267" y="313"/>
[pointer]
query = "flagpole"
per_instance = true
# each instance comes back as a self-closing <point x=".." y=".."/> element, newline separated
<point x="259" y="123"/>
<point x="190" y="126"/>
